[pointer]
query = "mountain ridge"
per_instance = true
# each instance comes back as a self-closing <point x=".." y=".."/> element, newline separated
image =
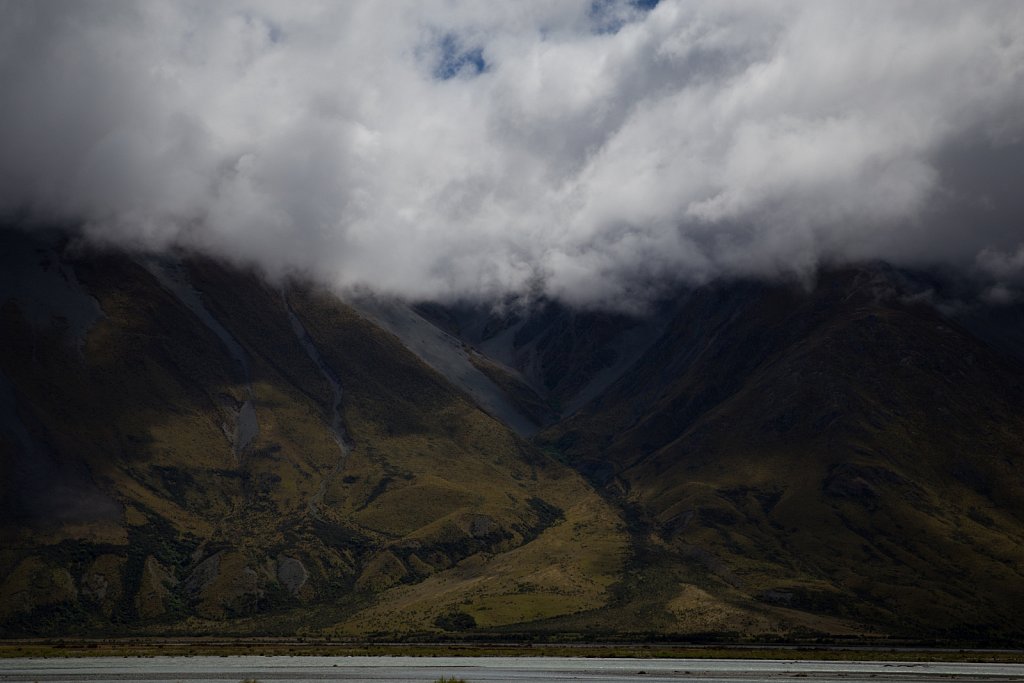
<point x="190" y="449"/>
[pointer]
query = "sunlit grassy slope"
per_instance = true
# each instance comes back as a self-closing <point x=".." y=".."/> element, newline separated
<point x="211" y="453"/>
<point x="319" y="521"/>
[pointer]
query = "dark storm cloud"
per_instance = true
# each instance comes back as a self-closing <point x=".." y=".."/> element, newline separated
<point x="475" y="149"/>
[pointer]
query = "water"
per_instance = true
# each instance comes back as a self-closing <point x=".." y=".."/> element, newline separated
<point x="472" y="669"/>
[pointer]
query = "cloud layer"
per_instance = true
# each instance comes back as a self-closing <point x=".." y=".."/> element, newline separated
<point x="594" y="150"/>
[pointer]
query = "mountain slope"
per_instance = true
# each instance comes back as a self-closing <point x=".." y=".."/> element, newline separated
<point x="207" y="448"/>
<point x="551" y="358"/>
<point x="839" y="452"/>
<point x="188" y="448"/>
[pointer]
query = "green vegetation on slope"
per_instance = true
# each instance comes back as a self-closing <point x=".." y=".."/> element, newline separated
<point x="778" y="464"/>
<point x="836" y="461"/>
<point x="292" y="530"/>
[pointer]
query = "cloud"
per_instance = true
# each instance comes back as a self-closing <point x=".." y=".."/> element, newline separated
<point x="1003" y="265"/>
<point x="461" y="149"/>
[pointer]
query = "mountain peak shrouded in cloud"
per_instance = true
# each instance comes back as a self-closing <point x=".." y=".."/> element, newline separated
<point x="447" y="149"/>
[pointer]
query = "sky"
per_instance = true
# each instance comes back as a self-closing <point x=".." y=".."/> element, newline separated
<point x="595" y="152"/>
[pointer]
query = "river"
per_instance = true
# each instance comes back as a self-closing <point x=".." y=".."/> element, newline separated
<point x="473" y="669"/>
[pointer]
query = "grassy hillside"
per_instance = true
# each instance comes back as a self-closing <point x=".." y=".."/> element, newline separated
<point x="186" y="448"/>
<point x="838" y="452"/>
<point x="221" y="482"/>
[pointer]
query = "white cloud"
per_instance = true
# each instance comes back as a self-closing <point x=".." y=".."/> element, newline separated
<point x="1003" y="265"/>
<point x="703" y="138"/>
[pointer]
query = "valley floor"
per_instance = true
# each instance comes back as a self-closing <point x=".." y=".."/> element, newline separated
<point x="290" y="647"/>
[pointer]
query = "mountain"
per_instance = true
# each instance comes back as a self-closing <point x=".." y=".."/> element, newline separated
<point x="843" y="451"/>
<point x="189" y="447"/>
<point x="851" y="449"/>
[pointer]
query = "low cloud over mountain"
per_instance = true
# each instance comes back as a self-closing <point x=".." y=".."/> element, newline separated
<point x="594" y="150"/>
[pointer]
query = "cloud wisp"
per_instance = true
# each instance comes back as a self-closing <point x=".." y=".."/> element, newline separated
<point x="443" y="149"/>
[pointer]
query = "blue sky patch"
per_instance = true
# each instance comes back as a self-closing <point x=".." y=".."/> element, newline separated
<point x="458" y="60"/>
<point x="609" y="16"/>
